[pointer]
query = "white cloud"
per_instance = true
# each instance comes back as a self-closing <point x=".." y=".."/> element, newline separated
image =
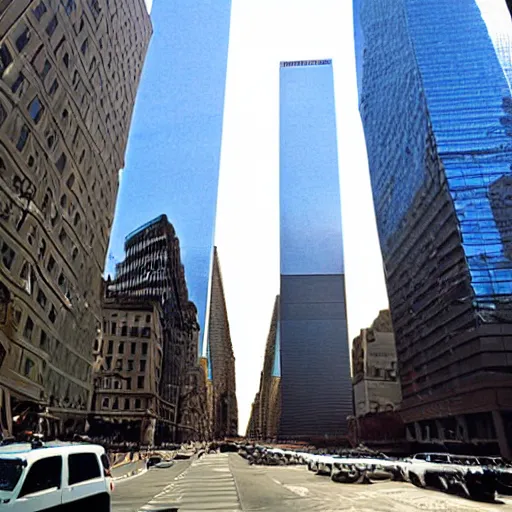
<point x="149" y="5"/>
<point x="264" y="32"/>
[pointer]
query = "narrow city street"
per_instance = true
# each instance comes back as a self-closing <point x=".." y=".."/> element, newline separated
<point x="225" y="482"/>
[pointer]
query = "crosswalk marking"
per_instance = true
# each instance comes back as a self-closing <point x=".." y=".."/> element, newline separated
<point x="208" y="484"/>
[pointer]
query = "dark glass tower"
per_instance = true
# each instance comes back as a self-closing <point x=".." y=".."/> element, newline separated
<point x="437" y="112"/>
<point x="314" y="355"/>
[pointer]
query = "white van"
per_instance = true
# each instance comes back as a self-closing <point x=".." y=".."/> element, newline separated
<point x="57" y="476"/>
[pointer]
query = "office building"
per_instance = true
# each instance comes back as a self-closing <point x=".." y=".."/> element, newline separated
<point x="316" y="388"/>
<point x="152" y="271"/>
<point x="222" y="360"/>
<point x="177" y="136"/>
<point x="266" y="408"/>
<point x="375" y="378"/>
<point x="436" y="107"/>
<point x="127" y="405"/>
<point x="69" y="73"/>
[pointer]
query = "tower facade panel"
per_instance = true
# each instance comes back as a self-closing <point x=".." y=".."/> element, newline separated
<point x="316" y="394"/>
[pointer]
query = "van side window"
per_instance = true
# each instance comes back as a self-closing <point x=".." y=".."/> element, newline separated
<point x="82" y="467"/>
<point x="44" y="474"/>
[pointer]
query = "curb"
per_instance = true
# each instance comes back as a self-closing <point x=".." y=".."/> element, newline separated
<point x="133" y="474"/>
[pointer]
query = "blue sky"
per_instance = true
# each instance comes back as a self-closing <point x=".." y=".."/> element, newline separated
<point x="173" y="157"/>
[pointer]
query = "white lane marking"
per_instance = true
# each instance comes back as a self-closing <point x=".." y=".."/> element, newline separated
<point x="299" y="491"/>
<point x="277" y="481"/>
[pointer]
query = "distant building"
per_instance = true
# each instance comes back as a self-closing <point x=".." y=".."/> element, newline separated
<point x="152" y="271"/>
<point x="436" y="104"/>
<point x="266" y="408"/>
<point x="222" y="360"/>
<point x="127" y="404"/>
<point x="69" y="73"/>
<point x="376" y="383"/>
<point x="316" y="388"/>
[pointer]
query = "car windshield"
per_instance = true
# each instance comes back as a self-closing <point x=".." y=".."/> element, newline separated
<point x="10" y="473"/>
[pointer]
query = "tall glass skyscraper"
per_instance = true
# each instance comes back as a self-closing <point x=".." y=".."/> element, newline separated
<point x="313" y="345"/>
<point x="436" y="106"/>
<point x="174" y="148"/>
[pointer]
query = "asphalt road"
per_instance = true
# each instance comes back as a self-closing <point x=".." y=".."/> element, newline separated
<point x="225" y="482"/>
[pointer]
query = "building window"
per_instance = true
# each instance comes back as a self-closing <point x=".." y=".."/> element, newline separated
<point x="35" y="109"/>
<point x="54" y="87"/>
<point x="23" y="138"/>
<point x="140" y="382"/>
<point x="117" y="384"/>
<point x="110" y="349"/>
<point x="113" y="328"/>
<point x="119" y="364"/>
<point x="133" y="348"/>
<point x="115" y="405"/>
<point x="130" y="364"/>
<point x="61" y="163"/>
<point x="124" y="330"/>
<point x="7" y="256"/>
<point x="142" y="365"/>
<point x="129" y="383"/>
<point x="22" y="40"/>
<point x="50" y="29"/>
<point x="27" y="369"/>
<point x="51" y="264"/>
<point x="108" y="362"/>
<point x="29" y="327"/>
<point x="46" y="69"/>
<point x="41" y="298"/>
<point x="121" y="347"/>
<point x="105" y="404"/>
<point x="17" y="84"/>
<point x="148" y="319"/>
<point x="84" y="47"/>
<point x="137" y="403"/>
<point x="53" y="315"/>
<point x="107" y="383"/>
<point x="70" y="7"/>
<point x="43" y="340"/>
<point x="134" y="331"/>
<point x="145" y="332"/>
<point x="5" y="59"/>
<point x="126" y="404"/>
<point x="39" y="10"/>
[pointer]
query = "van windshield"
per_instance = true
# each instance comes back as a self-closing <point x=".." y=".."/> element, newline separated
<point x="10" y="473"/>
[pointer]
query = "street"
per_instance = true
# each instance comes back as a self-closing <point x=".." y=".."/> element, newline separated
<point x="225" y="482"/>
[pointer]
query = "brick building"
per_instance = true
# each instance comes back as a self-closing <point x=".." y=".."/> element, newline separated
<point x="69" y="73"/>
<point x="127" y="401"/>
<point x="152" y="271"/>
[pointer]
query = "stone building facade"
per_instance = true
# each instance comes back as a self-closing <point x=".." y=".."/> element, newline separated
<point x="224" y="404"/>
<point x="375" y="379"/>
<point x="152" y="271"/>
<point x="266" y="408"/>
<point x="69" y="73"/>
<point x="127" y="403"/>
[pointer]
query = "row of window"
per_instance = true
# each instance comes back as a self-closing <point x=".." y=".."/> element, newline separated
<point x="117" y="383"/>
<point x="121" y="348"/>
<point x="127" y="404"/>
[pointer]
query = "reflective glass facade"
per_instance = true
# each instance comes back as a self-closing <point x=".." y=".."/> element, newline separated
<point x="174" y="148"/>
<point x="313" y="357"/>
<point x="437" y="112"/>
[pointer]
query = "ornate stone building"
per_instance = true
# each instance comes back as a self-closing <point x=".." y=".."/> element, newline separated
<point x="69" y="72"/>
<point x="127" y="403"/>
<point x="266" y="408"/>
<point x="224" y="404"/>
<point x="152" y="271"/>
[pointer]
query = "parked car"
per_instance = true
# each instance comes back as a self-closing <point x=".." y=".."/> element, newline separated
<point x="56" y="476"/>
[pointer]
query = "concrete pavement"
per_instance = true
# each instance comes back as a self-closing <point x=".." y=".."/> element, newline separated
<point x="225" y="482"/>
